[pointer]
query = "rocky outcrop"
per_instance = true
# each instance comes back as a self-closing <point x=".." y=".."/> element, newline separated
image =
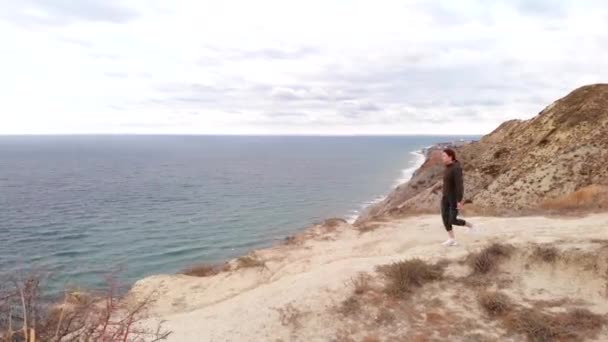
<point x="522" y="164"/>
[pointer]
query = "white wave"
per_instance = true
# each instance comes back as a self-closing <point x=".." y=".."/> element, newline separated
<point x="406" y="175"/>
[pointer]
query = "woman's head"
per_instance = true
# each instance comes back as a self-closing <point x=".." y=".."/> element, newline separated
<point x="449" y="156"/>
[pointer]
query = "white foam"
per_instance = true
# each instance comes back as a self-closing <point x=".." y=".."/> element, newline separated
<point x="406" y="175"/>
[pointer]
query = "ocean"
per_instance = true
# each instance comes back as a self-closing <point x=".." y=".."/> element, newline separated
<point x="78" y="207"/>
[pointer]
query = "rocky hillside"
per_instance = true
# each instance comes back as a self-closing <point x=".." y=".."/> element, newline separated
<point x="556" y="160"/>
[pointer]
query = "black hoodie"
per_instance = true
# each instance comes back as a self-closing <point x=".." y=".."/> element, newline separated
<point x="453" y="187"/>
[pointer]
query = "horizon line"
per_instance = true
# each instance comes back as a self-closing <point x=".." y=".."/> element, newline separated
<point x="237" y="135"/>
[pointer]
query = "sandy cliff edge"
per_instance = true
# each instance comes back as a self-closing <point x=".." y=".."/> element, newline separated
<point x="296" y="296"/>
<point x="542" y="278"/>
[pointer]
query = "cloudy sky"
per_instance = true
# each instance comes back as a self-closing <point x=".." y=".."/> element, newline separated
<point x="286" y="67"/>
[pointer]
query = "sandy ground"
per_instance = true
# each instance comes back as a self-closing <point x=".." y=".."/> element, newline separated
<point x="293" y="298"/>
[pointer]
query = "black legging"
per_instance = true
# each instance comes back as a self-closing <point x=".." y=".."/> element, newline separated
<point x="449" y="214"/>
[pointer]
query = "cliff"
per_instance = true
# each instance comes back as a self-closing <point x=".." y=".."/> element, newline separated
<point x="388" y="278"/>
<point x="554" y="161"/>
<point x="545" y="280"/>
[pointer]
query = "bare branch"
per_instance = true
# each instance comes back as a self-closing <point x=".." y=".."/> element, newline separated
<point x="24" y="313"/>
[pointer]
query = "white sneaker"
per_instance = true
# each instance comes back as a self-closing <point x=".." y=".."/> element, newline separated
<point x="450" y="242"/>
<point x="470" y="228"/>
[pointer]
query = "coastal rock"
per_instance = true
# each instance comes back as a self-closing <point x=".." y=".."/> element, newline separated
<point x="522" y="166"/>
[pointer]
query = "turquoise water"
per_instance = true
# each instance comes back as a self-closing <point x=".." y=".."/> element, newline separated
<point x="76" y="207"/>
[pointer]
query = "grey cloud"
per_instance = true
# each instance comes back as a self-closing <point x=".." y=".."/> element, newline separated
<point x="195" y="100"/>
<point x="484" y="102"/>
<point x="357" y="109"/>
<point x="352" y="114"/>
<point x="284" y="94"/>
<point x="202" y="95"/>
<point x="290" y="93"/>
<point x="369" y="107"/>
<point x="542" y="7"/>
<point x="360" y="92"/>
<point x="286" y="114"/>
<point x="193" y="89"/>
<point x="64" y="12"/>
<point x="278" y="54"/>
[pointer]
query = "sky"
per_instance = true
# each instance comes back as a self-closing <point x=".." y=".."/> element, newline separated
<point x="286" y="67"/>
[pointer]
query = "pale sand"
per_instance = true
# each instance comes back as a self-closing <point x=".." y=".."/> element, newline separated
<point x="314" y="277"/>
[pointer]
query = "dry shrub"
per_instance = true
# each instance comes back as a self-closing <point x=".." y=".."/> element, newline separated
<point x="405" y="276"/>
<point x="334" y="222"/>
<point x="575" y="324"/>
<point x="291" y="241"/>
<point x="477" y="337"/>
<point x="250" y="262"/>
<point x="362" y="284"/>
<point x="554" y="303"/>
<point x="343" y="335"/>
<point x="290" y="316"/>
<point x="205" y="270"/>
<point x="480" y="210"/>
<point x="385" y="317"/>
<point x="433" y="302"/>
<point x="546" y="253"/>
<point x="581" y="319"/>
<point x="349" y="307"/>
<point x="434" y="318"/>
<point x="495" y="304"/>
<point x="487" y="260"/>
<point x="25" y="314"/>
<point x="367" y="227"/>
<point x="589" y="197"/>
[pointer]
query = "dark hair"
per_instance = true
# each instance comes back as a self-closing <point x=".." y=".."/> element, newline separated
<point x="450" y="153"/>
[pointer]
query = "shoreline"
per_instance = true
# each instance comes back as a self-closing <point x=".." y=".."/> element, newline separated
<point x="406" y="174"/>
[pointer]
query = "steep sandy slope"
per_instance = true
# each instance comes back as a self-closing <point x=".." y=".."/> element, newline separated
<point x="523" y="165"/>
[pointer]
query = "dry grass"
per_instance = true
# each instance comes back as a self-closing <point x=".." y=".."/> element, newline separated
<point x="290" y="316"/>
<point x="205" y="270"/>
<point x="495" y="304"/>
<point x="573" y="325"/>
<point x="385" y="317"/>
<point x="487" y="260"/>
<point x="350" y="307"/>
<point x="250" y="262"/>
<point x="343" y="336"/>
<point x="553" y="303"/>
<point x="405" y="276"/>
<point x="367" y="227"/>
<point x="334" y="222"/>
<point x="479" y="210"/>
<point x="291" y="241"/>
<point x="362" y="283"/>
<point x="27" y="314"/>
<point x="546" y="253"/>
<point x="589" y="197"/>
